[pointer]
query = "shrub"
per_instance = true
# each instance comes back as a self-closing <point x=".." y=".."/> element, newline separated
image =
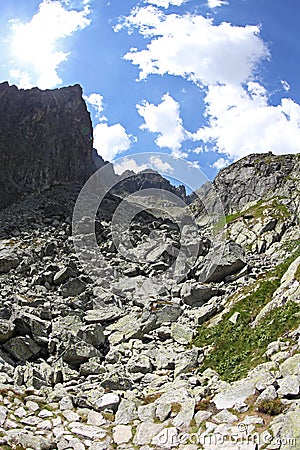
<point x="271" y="407"/>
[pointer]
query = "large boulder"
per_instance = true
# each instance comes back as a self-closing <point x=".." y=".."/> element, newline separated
<point x="8" y="260"/>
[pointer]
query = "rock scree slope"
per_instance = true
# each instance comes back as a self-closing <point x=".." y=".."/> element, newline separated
<point x="133" y="359"/>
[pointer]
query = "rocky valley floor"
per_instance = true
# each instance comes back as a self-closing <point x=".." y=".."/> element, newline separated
<point x="130" y="362"/>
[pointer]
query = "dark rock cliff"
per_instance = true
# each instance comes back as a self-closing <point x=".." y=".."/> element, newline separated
<point x="45" y="139"/>
<point x="131" y="182"/>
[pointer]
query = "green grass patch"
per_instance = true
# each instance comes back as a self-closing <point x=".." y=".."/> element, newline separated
<point x="273" y="208"/>
<point x="238" y="347"/>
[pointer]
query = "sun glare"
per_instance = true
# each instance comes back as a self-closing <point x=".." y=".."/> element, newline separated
<point x="35" y="44"/>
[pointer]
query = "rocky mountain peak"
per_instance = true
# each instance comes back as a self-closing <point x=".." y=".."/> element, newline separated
<point x="45" y="139"/>
<point x="253" y="177"/>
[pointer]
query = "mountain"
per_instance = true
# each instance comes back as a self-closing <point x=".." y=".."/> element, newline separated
<point x="45" y="139"/>
<point x="252" y="178"/>
<point x="165" y="331"/>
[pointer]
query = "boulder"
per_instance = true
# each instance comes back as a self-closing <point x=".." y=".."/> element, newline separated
<point x="8" y="260"/>
<point x="73" y="287"/>
<point x="22" y="348"/>
<point x="196" y="294"/>
<point x="228" y="262"/>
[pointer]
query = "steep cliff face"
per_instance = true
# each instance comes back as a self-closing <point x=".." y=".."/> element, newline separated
<point x="253" y="177"/>
<point x="249" y="180"/>
<point x="45" y="139"/>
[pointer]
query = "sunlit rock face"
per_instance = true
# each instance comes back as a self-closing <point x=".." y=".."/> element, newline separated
<point x="45" y="139"/>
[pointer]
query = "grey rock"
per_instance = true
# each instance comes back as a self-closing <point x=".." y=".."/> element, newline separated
<point x="146" y="413"/>
<point x="139" y="363"/>
<point x="22" y="348"/>
<point x="145" y="432"/>
<point x="103" y="314"/>
<point x="63" y="275"/>
<point x="181" y="333"/>
<point x="107" y="401"/>
<point x="8" y="260"/>
<point x="92" y="334"/>
<point x="196" y="294"/>
<point x="126" y="413"/>
<point x="186" y="361"/>
<point x="73" y="287"/>
<point x="289" y="386"/>
<point x="30" y="165"/>
<point x="232" y="260"/>
<point x="3" y="414"/>
<point x="122" y="434"/>
<point x="291" y="366"/>
<point x="93" y="366"/>
<point x="87" y="431"/>
<point x="225" y="416"/>
<point x="168" y="313"/>
<point x="268" y="394"/>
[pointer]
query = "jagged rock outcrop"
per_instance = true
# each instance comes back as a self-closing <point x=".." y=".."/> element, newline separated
<point x="45" y="139"/>
<point x="131" y="182"/>
<point x="251" y="179"/>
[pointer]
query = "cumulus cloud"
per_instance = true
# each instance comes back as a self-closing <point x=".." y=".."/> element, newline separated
<point x="220" y="163"/>
<point x="222" y="61"/>
<point x="35" y="43"/>
<point x="193" y="47"/>
<point x="153" y="162"/>
<point x="158" y="164"/>
<point x="166" y="3"/>
<point x="241" y="121"/>
<point x="165" y="120"/>
<point x="129" y="164"/>
<point x="216" y="3"/>
<point x="109" y="141"/>
<point x="96" y="101"/>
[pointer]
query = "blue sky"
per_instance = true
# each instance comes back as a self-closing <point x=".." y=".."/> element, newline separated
<point x="208" y="81"/>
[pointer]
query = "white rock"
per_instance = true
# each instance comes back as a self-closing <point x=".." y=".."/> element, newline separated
<point x="122" y="434"/>
<point x="145" y="432"/>
<point x="109" y="400"/>
<point x="88" y="431"/>
<point x="95" y="418"/>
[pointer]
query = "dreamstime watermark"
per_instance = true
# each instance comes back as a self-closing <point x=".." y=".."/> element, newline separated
<point x="95" y="201"/>
<point x="240" y="439"/>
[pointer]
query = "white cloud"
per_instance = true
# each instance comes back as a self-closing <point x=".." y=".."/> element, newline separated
<point x="216" y="3"/>
<point x="35" y="43"/>
<point x="156" y="163"/>
<point x="21" y="78"/>
<point x="129" y="164"/>
<point x="96" y="101"/>
<point x="165" y="3"/>
<point x="222" y="60"/>
<point x="220" y="163"/>
<point x="165" y="120"/>
<point x="285" y="85"/>
<point x="193" y="47"/>
<point x="109" y="141"/>
<point x="241" y="121"/>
